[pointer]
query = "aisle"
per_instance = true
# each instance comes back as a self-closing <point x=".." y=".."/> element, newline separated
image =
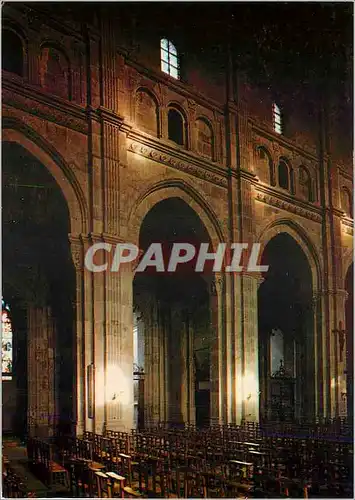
<point x="17" y="456"/>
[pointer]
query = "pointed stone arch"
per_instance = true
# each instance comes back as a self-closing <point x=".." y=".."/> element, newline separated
<point x="177" y="189"/>
<point x="26" y="137"/>
<point x="300" y="236"/>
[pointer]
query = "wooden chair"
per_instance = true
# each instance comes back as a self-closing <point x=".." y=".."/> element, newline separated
<point x="103" y="483"/>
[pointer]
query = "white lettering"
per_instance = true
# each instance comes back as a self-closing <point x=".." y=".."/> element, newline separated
<point x="253" y="259"/>
<point x="119" y="258"/>
<point x="205" y="255"/>
<point x="237" y="255"/>
<point x="152" y="257"/>
<point x="181" y="252"/>
<point x="89" y="257"/>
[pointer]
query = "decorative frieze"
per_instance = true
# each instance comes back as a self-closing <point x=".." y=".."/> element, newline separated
<point x="60" y="115"/>
<point x="174" y="162"/>
<point x="289" y="207"/>
<point x="347" y="225"/>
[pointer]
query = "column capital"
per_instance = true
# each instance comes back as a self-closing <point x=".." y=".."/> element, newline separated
<point x="253" y="275"/>
<point x="332" y="291"/>
<point x="114" y="239"/>
<point x="217" y="283"/>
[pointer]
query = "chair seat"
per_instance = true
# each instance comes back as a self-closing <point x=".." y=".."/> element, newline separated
<point x="55" y="467"/>
<point x="132" y="492"/>
<point x="96" y="466"/>
<point x="239" y="486"/>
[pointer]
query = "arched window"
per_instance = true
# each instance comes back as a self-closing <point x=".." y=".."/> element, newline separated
<point x="146" y="112"/>
<point x="277" y="118"/>
<point x="176" y="127"/>
<point x="347" y="202"/>
<point x="305" y="184"/>
<point x="284" y="175"/>
<point x="6" y="337"/>
<point x="12" y="52"/>
<point x="54" y="70"/>
<point x="169" y="58"/>
<point x="266" y="168"/>
<point x="204" y="138"/>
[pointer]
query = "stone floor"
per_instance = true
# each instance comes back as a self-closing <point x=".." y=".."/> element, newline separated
<point x="17" y="455"/>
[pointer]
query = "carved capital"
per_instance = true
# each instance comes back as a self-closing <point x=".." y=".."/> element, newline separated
<point x="77" y="256"/>
<point x="217" y="284"/>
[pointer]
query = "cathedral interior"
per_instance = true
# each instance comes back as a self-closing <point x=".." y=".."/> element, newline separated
<point x="150" y="124"/>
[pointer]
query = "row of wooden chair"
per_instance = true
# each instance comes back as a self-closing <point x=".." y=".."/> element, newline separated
<point x="174" y="452"/>
<point x="41" y="460"/>
<point x="221" y="461"/>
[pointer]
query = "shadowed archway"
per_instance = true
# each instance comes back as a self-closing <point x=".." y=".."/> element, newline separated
<point x="286" y="337"/>
<point x="174" y="326"/>
<point x="39" y="281"/>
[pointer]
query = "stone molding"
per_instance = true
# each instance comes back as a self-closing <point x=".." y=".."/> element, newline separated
<point x="46" y="107"/>
<point x="347" y="225"/>
<point x="287" y="205"/>
<point x="331" y="292"/>
<point x="176" y="162"/>
<point x="217" y="284"/>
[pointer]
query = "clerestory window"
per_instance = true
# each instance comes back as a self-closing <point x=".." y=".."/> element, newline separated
<point x="169" y="58"/>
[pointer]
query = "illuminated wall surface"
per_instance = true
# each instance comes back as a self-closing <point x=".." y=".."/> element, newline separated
<point x="6" y="338"/>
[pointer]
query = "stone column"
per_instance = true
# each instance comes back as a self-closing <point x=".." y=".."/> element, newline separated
<point x="218" y="394"/>
<point x="184" y="363"/>
<point x="175" y="365"/>
<point x="319" y="380"/>
<point x="77" y="251"/>
<point x="124" y="348"/>
<point x="191" y="370"/>
<point x="41" y="371"/>
<point x="156" y="365"/>
<point x="148" y="383"/>
<point x="116" y="384"/>
<point x="163" y="361"/>
<point x="338" y="356"/>
<point x="98" y="341"/>
<point x="250" y="339"/>
<point x="230" y="347"/>
<point x="87" y="347"/>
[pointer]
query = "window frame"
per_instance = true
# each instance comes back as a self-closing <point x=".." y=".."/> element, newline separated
<point x="277" y="119"/>
<point x="169" y="58"/>
<point x="289" y="187"/>
<point x="177" y="110"/>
